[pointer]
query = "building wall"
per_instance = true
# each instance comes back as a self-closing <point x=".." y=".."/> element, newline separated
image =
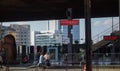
<point x="75" y="31"/>
<point x="22" y="34"/>
<point x="7" y="30"/>
<point x="45" y="39"/>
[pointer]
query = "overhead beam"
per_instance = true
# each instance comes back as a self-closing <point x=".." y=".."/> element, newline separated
<point x="57" y="10"/>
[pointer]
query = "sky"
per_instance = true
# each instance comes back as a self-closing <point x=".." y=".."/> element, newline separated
<point x="98" y="25"/>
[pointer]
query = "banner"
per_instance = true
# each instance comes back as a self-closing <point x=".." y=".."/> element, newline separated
<point x="69" y="22"/>
<point x="110" y="38"/>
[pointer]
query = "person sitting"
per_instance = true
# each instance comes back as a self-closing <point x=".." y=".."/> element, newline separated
<point x="25" y="59"/>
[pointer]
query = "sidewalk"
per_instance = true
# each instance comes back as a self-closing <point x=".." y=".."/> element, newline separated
<point x="32" y="67"/>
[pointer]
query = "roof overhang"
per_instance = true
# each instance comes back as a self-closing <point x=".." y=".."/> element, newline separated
<point x="28" y="10"/>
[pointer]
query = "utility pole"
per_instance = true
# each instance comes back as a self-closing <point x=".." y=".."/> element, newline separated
<point x="88" y="41"/>
<point x="69" y="17"/>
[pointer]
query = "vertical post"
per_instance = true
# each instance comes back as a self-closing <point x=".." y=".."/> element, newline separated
<point x="87" y="13"/>
<point x="1" y="31"/>
<point x="70" y="37"/>
<point x="112" y="25"/>
<point x="113" y="48"/>
<point x="48" y="26"/>
<point x="119" y="13"/>
<point x="69" y="16"/>
<point x="1" y="25"/>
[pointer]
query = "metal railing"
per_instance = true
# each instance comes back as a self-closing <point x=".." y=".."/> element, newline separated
<point x="108" y="31"/>
<point x="78" y="59"/>
<point x="106" y="59"/>
<point x="101" y="62"/>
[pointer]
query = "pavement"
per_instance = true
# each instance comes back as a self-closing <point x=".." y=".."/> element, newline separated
<point x="36" y="69"/>
<point x="31" y="67"/>
<point x="69" y="68"/>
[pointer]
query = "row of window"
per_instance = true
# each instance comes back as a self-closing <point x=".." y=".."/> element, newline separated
<point x="21" y="42"/>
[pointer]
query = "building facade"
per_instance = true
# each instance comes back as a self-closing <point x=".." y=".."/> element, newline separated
<point x="22" y="34"/>
<point x="46" y="39"/>
<point x="54" y="26"/>
<point x="7" y="30"/>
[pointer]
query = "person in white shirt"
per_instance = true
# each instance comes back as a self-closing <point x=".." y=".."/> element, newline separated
<point x="47" y="59"/>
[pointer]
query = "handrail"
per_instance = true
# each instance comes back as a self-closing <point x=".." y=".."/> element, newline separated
<point x="108" y="31"/>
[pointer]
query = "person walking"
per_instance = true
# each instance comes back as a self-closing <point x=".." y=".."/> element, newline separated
<point x="41" y="60"/>
<point x="47" y="60"/>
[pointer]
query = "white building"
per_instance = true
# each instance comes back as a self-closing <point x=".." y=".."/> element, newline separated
<point x="22" y="34"/>
<point x="46" y="39"/>
<point x="53" y="26"/>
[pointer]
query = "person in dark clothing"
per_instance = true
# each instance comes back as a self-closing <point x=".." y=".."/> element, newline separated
<point x="25" y="59"/>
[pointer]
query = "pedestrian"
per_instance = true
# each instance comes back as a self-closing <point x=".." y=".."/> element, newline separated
<point x="25" y="59"/>
<point x="47" y="59"/>
<point x="41" y="60"/>
<point x="84" y="67"/>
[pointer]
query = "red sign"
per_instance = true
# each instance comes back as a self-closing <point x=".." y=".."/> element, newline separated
<point x="110" y="38"/>
<point x="69" y="22"/>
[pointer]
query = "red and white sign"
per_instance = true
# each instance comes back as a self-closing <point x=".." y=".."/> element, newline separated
<point x="69" y="22"/>
<point x="110" y="38"/>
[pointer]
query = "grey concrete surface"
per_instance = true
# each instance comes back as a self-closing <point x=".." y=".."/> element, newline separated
<point x="69" y="69"/>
